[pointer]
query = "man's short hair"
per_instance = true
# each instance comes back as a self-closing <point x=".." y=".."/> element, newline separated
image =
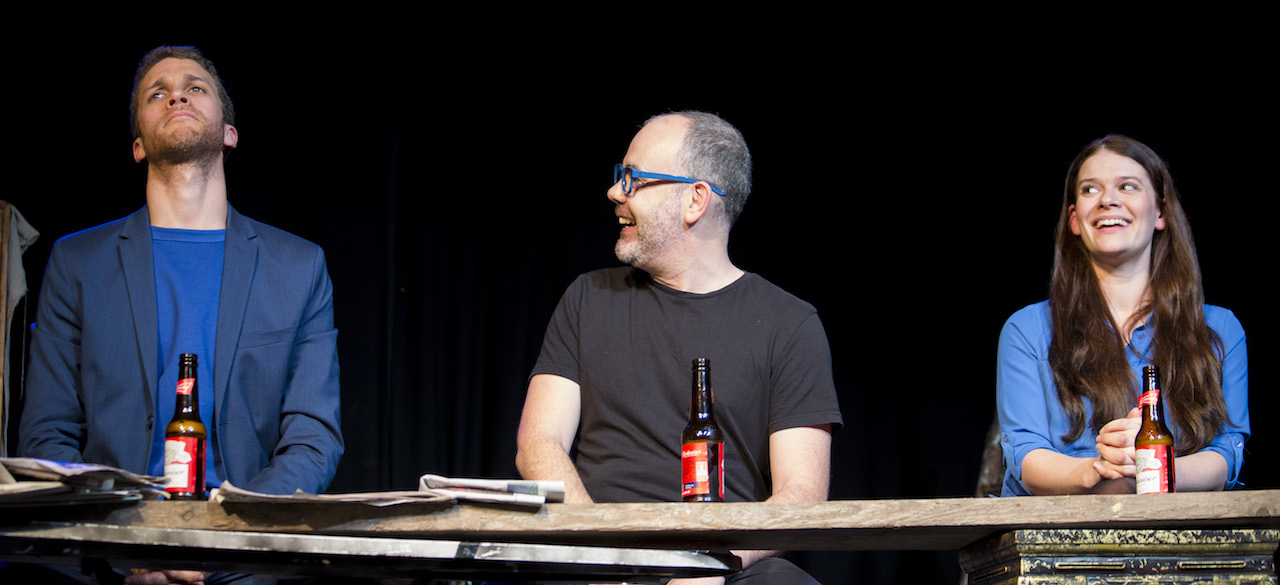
<point x="161" y="53"/>
<point x="714" y="151"/>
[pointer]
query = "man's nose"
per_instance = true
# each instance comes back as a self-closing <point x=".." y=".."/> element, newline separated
<point x="615" y="193"/>
<point x="176" y="100"/>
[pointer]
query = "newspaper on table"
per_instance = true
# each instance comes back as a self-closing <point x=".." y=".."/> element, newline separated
<point x="231" y="494"/>
<point x="45" y="482"/>
<point x="431" y="489"/>
<point x="499" y="491"/>
<point x="79" y="474"/>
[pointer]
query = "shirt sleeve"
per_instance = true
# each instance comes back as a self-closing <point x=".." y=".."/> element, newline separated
<point x="310" y="444"/>
<point x="53" y="422"/>
<point x="804" y="390"/>
<point x="559" y="354"/>
<point x="1235" y="392"/>
<point x="1021" y="393"/>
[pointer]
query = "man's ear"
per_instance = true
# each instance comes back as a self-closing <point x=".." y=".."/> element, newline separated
<point x="698" y="202"/>
<point x="139" y="152"/>
<point x="230" y="136"/>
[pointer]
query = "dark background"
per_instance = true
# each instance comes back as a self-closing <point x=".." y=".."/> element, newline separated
<point x="906" y="187"/>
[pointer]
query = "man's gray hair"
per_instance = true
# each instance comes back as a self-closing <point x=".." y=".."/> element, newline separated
<point x="714" y="151"/>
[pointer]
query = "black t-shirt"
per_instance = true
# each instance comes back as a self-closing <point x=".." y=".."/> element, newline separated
<point x="630" y="343"/>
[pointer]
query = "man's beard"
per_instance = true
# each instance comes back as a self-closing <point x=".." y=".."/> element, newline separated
<point x="654" y="234"/>
<point x="203" y="147"/>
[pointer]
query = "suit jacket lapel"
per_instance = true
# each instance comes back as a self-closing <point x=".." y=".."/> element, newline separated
<point x="140" y="281"/>
<point x="239" y="263"/>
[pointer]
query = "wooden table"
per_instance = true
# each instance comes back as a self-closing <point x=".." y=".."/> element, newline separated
<point x="292" y="554"/>
<point x="923" y="524"/>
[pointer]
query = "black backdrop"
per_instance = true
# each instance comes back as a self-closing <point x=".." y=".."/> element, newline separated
<point x="457" y="186"/>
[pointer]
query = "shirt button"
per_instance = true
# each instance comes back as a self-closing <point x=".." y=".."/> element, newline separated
<point x="151" y="421"/>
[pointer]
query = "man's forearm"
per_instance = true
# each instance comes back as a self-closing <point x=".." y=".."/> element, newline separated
<point x="807" y="494"/>
<point x="801" y="472"/>
<point x="542" y="457"/>
<point x="547" y="429"/>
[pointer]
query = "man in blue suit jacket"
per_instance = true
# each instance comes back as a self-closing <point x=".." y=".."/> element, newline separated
<point x="116" y="310"/>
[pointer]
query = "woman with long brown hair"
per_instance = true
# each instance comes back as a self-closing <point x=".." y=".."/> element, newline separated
<point x="1125" y="293"/>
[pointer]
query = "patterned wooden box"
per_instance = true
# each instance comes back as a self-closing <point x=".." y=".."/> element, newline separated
<point x="1112" y="557"/>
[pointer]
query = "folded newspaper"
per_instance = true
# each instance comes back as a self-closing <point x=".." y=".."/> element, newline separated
<point x="228" y="493"/>
<point x="431" y="489"/>
<point x="503" y="491"/>
<point x="78" y="474"/>
<point x="39" y="482"/>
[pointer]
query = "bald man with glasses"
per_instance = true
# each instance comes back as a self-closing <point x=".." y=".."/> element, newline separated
<point x="609" y="395"/>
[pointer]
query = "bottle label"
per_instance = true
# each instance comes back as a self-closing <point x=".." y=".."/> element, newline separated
<point x="181" y="456"/>
<point x="1154" y="469"/>
<point x="1149" y="398"/>
<point x="185" y="385"/>
<point x="696" y="460"/>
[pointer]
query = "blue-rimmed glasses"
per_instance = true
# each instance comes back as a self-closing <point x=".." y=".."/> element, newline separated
<point x="628" y="176"/>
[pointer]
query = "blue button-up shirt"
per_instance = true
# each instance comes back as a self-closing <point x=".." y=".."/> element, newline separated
<point x="1031" y="417"/>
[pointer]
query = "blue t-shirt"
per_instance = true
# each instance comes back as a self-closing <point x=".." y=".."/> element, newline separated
<point x="188" y="273"/>
<point x="1031" y="417"/>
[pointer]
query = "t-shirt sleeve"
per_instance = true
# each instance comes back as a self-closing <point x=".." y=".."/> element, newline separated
<point x="560" y="348"/>
<point x="804" y="390"/>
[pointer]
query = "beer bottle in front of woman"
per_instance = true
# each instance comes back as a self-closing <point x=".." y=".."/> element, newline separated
<point x="1153" y="446"/>
<point x="702" y="445"/>
<point x="184" y="438"/>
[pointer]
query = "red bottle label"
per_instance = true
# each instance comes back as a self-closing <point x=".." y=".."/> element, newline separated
<point x="1154" y="464"/>
<point x="182" y="456"/>
<point x="695" y="461"/>
<point x="1149" y="398"/>
<point x="185" y="385"/>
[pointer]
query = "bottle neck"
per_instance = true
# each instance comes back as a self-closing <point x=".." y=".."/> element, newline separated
<point x="188" y="399"/>
<point x="185" y="405"/>
<point x="1151" y="406"/>
<point x="1151" y="395"/>
<point x="700" y="406"/>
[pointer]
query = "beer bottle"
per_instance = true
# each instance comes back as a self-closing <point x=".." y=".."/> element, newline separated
<point x="1153" y="446"/>
<point x="184" y="438"/>
<point x="702" y="445"/>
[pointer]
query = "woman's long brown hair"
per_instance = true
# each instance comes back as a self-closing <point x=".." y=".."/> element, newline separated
<point x="1087" y="354"/>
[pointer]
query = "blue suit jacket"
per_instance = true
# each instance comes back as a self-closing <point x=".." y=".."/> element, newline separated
<point x="91" y="385"/>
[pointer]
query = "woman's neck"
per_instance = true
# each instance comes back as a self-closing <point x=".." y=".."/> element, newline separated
<point x="1127" y="290"/>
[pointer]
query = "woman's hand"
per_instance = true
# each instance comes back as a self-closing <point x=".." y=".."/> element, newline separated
<point x="1115" y="446"/>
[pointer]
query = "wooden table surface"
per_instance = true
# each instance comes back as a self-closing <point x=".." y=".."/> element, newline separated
<point x="945" y="523"/>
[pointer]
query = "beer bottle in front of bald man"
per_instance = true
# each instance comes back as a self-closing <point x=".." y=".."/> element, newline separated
<point x="702" y="445"/>
<point x="1153" y="446"/>
<point x="184" y="438"/>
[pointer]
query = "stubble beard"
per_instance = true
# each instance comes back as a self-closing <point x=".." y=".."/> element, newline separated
<point x="202" y="148"/>
<point x="654" y="235"/>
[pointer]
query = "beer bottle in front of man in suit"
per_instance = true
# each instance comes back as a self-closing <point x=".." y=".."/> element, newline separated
<point x="1153" y="446"/>
<point x="184" y="438"/>
<point x="702" y="445"/>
